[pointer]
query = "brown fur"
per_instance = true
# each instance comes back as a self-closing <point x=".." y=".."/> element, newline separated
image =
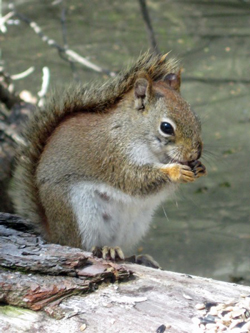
<point x="84" y="134"/>
<point x="76" y="99"/>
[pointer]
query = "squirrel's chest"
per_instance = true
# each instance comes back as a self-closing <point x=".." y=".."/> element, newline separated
<point x="107" y="216"/>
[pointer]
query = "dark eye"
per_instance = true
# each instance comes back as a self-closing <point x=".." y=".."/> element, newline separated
<point x="167" y="128"/>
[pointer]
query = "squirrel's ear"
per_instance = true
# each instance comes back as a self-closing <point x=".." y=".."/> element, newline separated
<point x="142" y="89"/>
<point x="173" y="80"/>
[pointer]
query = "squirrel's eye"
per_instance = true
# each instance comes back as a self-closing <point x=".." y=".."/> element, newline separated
<point x="166" y="128"/>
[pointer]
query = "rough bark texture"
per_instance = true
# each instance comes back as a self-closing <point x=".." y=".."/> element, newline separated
<point x="77" y="292"/>
<point x="57" y="271"/>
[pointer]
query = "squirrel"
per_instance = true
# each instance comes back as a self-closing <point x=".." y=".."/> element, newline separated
<point x="100" y="159"/>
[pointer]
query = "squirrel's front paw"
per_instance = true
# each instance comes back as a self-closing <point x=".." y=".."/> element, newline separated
<point x="179" y="173"/>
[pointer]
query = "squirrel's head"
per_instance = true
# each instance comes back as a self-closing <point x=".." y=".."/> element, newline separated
<point x="171" y="128"/>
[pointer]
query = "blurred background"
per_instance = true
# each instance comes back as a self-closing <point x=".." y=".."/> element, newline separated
<point x="205" y="229"/>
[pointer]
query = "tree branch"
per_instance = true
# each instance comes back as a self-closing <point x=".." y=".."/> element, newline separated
<point x="58" y="271"/>
<point x="66" y="54"/>
<point x="149" y="28"/>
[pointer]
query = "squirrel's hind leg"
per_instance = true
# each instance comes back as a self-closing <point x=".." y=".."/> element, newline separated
<point x="60" y="221"/>
<point x="116" y="253"/>
<point x="107" y="252"/>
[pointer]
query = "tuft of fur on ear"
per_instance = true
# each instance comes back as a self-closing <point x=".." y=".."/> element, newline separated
<point x="173" y="80"/>
<point x="142" y="88"/>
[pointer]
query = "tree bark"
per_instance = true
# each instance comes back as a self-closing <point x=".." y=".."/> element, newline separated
<point x="75" y="291"/>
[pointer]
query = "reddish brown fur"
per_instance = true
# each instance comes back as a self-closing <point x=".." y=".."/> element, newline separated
<point x="84" y="134"/>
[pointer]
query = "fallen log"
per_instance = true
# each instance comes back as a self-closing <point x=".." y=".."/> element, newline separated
<point x="75" y="291"/>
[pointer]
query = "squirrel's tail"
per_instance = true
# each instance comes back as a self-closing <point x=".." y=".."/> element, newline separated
<point x="76" y="99"/>
<point x="36" y="131"/>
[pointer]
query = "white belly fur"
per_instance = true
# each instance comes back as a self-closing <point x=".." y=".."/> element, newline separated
<point x="107" y="216"/>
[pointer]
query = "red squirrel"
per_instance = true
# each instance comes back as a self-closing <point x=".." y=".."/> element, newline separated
<point x="100" y="159"/>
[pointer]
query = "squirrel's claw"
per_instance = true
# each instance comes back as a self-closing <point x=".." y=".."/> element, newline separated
<point x="107" y="252"/>
<point x="198" y="169"/>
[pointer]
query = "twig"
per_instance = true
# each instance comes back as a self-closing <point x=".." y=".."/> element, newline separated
<point x="10" y="133"/>
<point x="3" y="20"/>
<point x="65" y="42"/>
<point x="8" y="98"/>
<point x="149" y="28"/>
<point x="45" y="85"/>
<point x="4" y="114"/>
<point x="70" y="54"/>
<point x="23" y="74"/>
<point x="76" y="57"/>
<point x="64" y="27"/>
